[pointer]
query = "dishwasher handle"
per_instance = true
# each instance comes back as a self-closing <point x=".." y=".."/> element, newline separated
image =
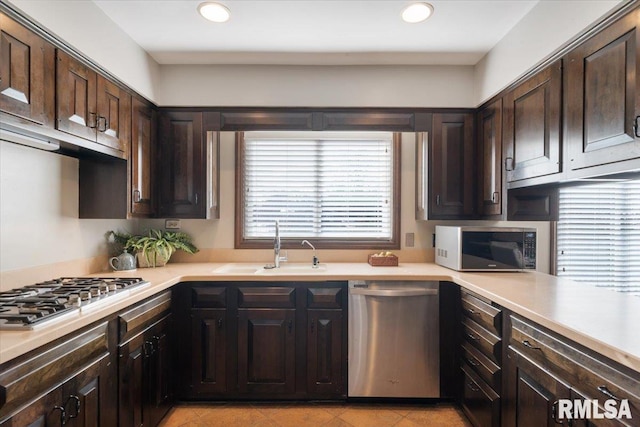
<point x="413" y="292"/>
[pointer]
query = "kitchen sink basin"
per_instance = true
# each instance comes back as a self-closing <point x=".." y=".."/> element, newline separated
<point x="293" y="269"/>
<point x="284" y="269"/>
<point x="249" y="269"/>
<point x="238" y="269"/>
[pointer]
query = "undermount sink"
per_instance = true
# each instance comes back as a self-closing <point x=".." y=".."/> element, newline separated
<point x="293" y="269"/>
<point x="238" y="269"/>
<point x="284" y="268"/>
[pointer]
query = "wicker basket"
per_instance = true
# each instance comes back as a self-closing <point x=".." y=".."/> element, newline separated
<point x="383" y="261"/>
<point x="144" y="263"/>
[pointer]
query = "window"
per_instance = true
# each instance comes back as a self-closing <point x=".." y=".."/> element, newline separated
<point x="598" y="237"/>
<point x="337" y="189"/>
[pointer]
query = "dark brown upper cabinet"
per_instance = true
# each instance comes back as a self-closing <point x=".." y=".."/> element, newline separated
<point x="532" y="126"/>
<point x="27" y="73"/>
<point x="602" y="100"/>
<point x="445" y="177"/>
<point x="189" y="166"/>
<point x="142" y="158"/>
<point x="490" y="159"/>
<point x="91" y="107"/>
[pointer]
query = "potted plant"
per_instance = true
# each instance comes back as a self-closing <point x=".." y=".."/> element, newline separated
<point x="154" y="248"/>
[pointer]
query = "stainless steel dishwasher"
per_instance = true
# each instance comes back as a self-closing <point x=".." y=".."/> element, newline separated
<point x="394" y="339"/>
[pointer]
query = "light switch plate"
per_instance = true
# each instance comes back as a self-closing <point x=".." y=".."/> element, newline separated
<point x="172" y="224"/>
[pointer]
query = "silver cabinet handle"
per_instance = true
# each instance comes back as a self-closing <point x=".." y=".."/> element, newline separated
<point x="102" y="124"/>
<point x="137" y="196"/>
<point x="92" y="120"/>
<point x="604" y="390"/>
<point x="508" y="164"/>
<point x="495" y="198"/>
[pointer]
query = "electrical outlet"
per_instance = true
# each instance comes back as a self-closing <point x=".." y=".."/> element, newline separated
<point x="409" y="240"/>
<point x="172" y="224"/>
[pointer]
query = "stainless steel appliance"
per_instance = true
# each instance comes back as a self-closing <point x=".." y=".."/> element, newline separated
<point x="394" y="339"/>
<point x="466" y="248"/>
<point x="42" y="303"/>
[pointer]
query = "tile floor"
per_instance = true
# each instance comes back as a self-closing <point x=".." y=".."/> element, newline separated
<point x="296" y="414"/>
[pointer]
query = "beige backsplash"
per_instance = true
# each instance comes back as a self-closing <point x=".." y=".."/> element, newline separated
<point x="16" y="278"/>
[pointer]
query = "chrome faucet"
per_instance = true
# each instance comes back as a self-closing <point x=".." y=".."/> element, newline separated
<point x="276" y="248"/>
<point x="315" y="262"/>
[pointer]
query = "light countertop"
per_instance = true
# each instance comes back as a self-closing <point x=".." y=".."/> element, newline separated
<point x="600" y="319"/>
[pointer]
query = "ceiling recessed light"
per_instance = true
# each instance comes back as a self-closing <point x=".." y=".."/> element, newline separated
<point x="417" y="12"/>
<point x="215" y="12"/>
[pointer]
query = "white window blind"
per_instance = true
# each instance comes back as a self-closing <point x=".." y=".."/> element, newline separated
<point x="318" y="184"/>
<point x="598" y="238"/>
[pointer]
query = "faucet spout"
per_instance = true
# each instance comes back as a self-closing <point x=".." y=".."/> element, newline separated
<point x="315" y="262"/>
<point x="276" y="248"/>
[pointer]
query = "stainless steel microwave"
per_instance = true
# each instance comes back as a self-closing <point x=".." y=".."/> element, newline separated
<point x="472" y="248"/>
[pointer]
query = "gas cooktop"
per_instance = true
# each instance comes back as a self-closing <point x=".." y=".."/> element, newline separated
<point x="41" y="303"/>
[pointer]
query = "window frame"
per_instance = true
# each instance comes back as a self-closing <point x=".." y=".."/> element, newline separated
<point x="326" y="243"/>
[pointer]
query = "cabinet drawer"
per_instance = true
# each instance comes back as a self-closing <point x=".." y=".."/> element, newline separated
<point x="485" y="368"/>
<point x="489" y="344"/>
<point x="142" y="315"/>
<point x="479" y="402"/>
<point x="267" y="297"/>
<point x="31" y="377"/>
<point x="592" y="376"/>
<point x="324" y="297"/>
<point x="483" y="313"/>
<point x="209" y="297"/>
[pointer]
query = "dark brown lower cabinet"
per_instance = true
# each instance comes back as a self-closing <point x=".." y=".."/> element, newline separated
<point x="144" y="374"/>
<point x="43" y="412"/>
<point x="324" y="352"/>
<point x="70" y="382"/>
<point x="532" y="392"/>
<point x="266" y="351"/>
<point x="145" y="362"/>
<point x="479" y="402"/>
<point x="261" y="340"/>
<point x="209" y="357"/>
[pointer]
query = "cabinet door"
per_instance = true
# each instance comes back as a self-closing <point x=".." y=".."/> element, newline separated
<point x="132" y="381"/>
<point x="531" y="393"/>
<point x="76" y="97"/>
<point x="44" y="412"/>
<point x="451" y="167"/>
<point x="266" y="351"/>
<point x="159" y="371"/>
<point x="113" y="121"/>
<point x="142" y="158"/>
<point x="324" y="352"/>
<point x="27" y="73"/>
<point x="183" y="174"/>
<point x="532" y="126"/>
<point x="87" y="399"/>
<point x="602" y="96"/>
<point x="490" y="157"/>
<point x="209" y="358"/>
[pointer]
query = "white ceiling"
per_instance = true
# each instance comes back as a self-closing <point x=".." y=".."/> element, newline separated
<point x="336" y="32"/>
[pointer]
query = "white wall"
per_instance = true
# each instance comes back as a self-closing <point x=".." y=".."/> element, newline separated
<point x="84" y="26"/>
<point x="549" y="25"/>
<point x="316" y="86"/>
<point x="39" y="222"/>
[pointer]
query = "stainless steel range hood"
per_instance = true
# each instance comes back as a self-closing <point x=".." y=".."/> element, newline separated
<point x="39" y="141"/>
